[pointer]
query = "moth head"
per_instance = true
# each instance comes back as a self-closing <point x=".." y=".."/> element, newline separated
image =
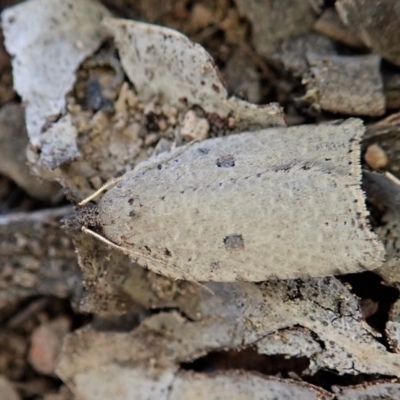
<point x="87" y="216"/>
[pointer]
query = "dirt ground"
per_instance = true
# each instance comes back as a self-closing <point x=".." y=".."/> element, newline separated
<point x="81" y="103"/>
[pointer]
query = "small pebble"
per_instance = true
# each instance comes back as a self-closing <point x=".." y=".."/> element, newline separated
<point x="151" y="138"/>
<point x="376" y="157"/>
<point x="96" y="182"/>
<point x="46" y="344"/>
<point x="195" y="128"/>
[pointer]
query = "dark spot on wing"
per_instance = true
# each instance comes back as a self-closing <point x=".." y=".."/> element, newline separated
<point x="234" y="242"/>
<point x="167" y="253"/>
<point x="226" y="161"/>
<point x="214" y="266"/>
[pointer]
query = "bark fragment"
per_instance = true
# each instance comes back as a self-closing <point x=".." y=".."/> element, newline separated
<point x="349" y="85"/>
<point x="377" y="24"/>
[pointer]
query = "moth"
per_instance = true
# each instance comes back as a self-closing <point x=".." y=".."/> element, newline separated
<point x="275" y="203"/>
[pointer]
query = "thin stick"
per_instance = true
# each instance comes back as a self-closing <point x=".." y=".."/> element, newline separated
<point x="98" y="191"/>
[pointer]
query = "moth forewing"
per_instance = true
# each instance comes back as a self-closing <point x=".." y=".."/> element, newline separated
<point x="276" y="203"/>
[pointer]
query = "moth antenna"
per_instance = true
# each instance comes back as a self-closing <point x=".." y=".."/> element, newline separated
<point x="134" y="253"/>
<point x="118" y="247"/>
<point x="116" y="180"/>
<point x="98" y="191"/>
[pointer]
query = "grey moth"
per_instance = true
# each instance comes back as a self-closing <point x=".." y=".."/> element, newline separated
<point x="274" y="203"/>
